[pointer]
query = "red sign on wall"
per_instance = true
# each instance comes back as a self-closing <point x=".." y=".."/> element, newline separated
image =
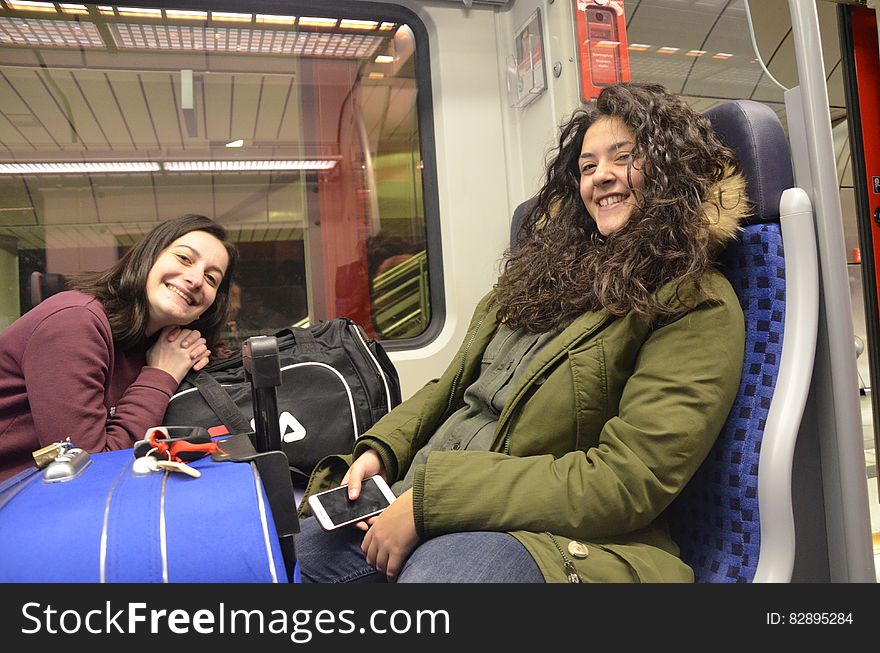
<point x="601" y="43"/>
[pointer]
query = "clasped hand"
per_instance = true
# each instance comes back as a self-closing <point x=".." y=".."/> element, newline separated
<point x="177" y="350"/>
<point x="391" y="536"/>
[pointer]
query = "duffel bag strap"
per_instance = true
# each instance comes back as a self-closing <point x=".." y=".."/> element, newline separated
<point x="305" y="341"/>
<point x="215" y="396"/>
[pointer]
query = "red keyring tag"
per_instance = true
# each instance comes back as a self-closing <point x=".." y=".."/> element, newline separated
<point x="192" y="443"/>
<point x="184" y="451"/>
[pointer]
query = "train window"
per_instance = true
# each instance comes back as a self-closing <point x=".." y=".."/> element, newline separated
<point x="302" y="128"/>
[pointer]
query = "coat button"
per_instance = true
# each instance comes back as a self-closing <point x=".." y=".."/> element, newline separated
<point x="578" y="550"/>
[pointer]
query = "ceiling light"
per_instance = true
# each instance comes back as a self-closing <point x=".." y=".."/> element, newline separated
<point x="639" y="47"/>
<point x="49" y="33"/>
<point x="276" y="20"/>
<point x="234" y="39"/>
<point x="230" y="17"/>
<point x="79" y="167"/>
<point x="74" y="9"/>
<point x="185" y="14"/>
<point x="92" y="167"/>
<point x="312" y="21"/>
<point x="348" y="23"/>
<point x="238" y="143"/>
<point x="212" y="37"/>
<point x="666" y="50"/>
<point x="694" y="53"/>
<point x="239" y="166"/>
<point x="140" y="13"/>
<point x="384" y="58"/>
<point x="722" y="55"/>
<point x="25" y="5"/>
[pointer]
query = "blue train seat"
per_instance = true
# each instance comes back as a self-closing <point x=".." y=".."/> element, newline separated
<point x="734" y="520"/>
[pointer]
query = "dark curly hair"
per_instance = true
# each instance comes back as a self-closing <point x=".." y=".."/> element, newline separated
<point x="122" y="289"/>
<point x="562" y="266"/>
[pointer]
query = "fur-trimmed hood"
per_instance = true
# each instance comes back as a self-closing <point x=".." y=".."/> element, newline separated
<point x="728" y="209"/>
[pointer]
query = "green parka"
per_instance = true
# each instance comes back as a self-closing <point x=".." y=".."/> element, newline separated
<point x="605" y="427"/>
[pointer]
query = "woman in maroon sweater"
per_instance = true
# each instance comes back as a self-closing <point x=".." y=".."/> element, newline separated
<point x="98" y="364"/>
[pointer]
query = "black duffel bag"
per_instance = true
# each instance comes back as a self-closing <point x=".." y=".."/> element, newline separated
<point x="335" y="384"/>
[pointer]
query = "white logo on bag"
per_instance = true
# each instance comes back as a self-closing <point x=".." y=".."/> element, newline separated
<point x="291" y="429"/>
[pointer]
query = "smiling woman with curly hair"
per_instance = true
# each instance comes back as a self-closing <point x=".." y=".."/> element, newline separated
<point x="591" y="384"/>
<point x="564" y="264"/>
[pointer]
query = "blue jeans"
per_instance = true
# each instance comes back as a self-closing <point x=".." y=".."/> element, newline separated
<point x="472" y="557"/>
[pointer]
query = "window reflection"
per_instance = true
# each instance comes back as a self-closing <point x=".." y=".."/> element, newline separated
<point x="298" y="133"/>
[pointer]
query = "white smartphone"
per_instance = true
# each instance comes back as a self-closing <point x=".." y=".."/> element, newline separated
<point x="333" y="508"/>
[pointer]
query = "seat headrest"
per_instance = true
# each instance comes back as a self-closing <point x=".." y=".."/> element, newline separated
<point x="519" y="216"/>
<point x="753" y="131"/>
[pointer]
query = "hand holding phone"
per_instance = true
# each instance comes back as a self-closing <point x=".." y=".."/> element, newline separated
<point x="333" y="509"/>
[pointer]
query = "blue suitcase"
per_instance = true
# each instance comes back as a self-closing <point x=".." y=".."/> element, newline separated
<point x="110" y="524"/>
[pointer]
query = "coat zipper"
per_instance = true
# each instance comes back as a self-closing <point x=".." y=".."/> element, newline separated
<point x="567" y="565"/>
<point x="461" y="367"/>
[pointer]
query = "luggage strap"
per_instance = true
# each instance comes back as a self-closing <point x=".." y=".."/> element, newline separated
<point x="305" y="341"/>
<point x="215" y="396"/>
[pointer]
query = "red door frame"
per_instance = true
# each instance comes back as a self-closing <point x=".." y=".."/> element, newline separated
<point x="867" y="64"/>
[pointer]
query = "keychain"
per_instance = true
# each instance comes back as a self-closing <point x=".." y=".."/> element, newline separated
<point x="172" y="453"/>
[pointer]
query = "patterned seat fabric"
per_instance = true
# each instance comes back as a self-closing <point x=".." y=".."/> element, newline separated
<point x="715" y="519"/>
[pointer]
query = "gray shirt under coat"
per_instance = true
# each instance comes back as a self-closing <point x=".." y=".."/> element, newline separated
<point x="472" y="427"/>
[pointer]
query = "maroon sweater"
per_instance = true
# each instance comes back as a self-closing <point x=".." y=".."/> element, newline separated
<point x="61" y="375"/>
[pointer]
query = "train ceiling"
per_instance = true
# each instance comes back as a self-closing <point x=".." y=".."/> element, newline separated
<point x="163" y="87"/>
